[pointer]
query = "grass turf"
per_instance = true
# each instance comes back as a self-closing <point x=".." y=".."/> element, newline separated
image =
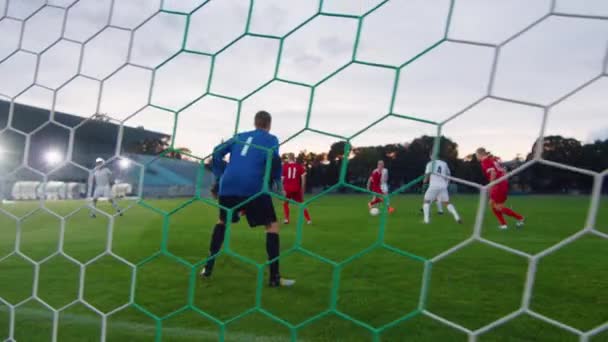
<point x="472" y="287"/>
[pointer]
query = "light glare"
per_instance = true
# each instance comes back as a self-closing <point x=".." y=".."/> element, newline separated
<point x="124" y="164"/>
<point x="52" y="157"/>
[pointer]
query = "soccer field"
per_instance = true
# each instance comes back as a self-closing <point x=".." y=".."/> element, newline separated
<point x="472" y="287"/>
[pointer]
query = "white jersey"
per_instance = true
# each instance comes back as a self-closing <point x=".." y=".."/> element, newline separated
<point x="384" y="181"/>
<point x="103" y="177"/>
<point x="438" y="170"/>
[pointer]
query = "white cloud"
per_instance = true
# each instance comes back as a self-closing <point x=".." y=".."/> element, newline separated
<point x="288" y="115"/>
<point x="317" y="49"/>
<point x="584" y="7"/>
<point x="17" y="73"/>
<point x="86" y="18"/>
<point x="494" y="21"/>
<point x="205" y="124"/>
<point x="505" y="128"/>
<point x="181" y="80"/>
<point x="245" y="66"/>
<point x="23" y="9"/>
<point x="402" y="29"/>
<point x="583" y="115"/>
<point x="278" y="17"/>
<point x="352" y="99"/>
<point x="10" y="31"/>
<point x="131" y="13"/>
<point x="58" y="64"/>
<point x="79" y="96"/>
<point x="126" y="92"/>
<point x="541" y="65"/>
<point x="216" y="24"/>
<point x="352" y="7"/>
<point x="105" y="53"/>
<point x="444" y="82"/>
<point x="534" y="68"/>
<point x="158" y="39"/>
<point x="42" y="29"/>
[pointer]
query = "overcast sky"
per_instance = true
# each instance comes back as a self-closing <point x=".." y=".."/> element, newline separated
<point x="540" y="66"/>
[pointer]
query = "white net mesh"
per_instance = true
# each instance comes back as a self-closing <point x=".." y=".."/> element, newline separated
<point x="122" y="64"/>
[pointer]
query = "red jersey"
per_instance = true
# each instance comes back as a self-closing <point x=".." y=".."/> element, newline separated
<point x="492" y="163"/>
<point x="375" y="183"/>
<point x="292" y="177"/>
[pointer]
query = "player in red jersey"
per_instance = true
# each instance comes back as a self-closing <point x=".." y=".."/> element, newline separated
<point x="294" y="183"/>
<point x="377" y="183"/>
<point x="499" y="192"/>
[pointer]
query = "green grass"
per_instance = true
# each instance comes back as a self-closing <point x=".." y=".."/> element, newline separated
<point x="474" y="286"/>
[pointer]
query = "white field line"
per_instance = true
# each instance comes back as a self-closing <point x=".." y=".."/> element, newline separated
<point x="147" y="329"/>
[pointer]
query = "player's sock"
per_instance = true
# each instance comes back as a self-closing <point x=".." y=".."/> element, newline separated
<point x="426" y="209"/>
<point x="307" y="215"/>
<point x="115" y="206"/>
<point x="93" y="207"/>
<point x="499" y="216"/>
<point x="272" y="248"/>
<point x="452" y="210"/>
<point x="217" y="239"/>
<point x="389" y="208"/>
<point x="509" y="212"/>
<point x="286" y="211"/>
<point x="440" y="208"/>
<point x="375" y="201"/>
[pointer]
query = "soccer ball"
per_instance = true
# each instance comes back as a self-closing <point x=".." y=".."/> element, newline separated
<point x="374" y="211"/>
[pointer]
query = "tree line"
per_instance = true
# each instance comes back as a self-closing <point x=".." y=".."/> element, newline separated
<point x="406" y="163"/>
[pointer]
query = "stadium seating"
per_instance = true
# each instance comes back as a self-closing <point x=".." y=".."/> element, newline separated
<point x="163" y="177"/>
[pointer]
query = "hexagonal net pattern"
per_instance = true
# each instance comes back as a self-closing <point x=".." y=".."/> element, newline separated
<point x="108" y="29"/>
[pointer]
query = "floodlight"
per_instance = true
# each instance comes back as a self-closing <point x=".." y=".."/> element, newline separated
<point x="52" y="157"/>
<point x="124" y="163"/>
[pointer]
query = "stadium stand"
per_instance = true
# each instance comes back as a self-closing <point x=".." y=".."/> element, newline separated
<point x="93" y="137"/>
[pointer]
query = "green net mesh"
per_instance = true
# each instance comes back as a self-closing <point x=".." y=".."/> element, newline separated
<point x="161" y="258"/>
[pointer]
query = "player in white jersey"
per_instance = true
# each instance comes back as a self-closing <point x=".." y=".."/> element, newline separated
<point x="384" y="187"/>
<point x="102" y="181"/>
<point x="384" y="181"/>
<point x="436" y="174"/>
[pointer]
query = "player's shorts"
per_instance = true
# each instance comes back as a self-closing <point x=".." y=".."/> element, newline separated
<point x="384" y="188"/>
<point x="102" y="191"/>
<point x="296" y="196"/>
<point x="440" y="194"/>
<point x="260" y="210"/>
<point x="379" y="192"/>
<point x="499" y="192"/>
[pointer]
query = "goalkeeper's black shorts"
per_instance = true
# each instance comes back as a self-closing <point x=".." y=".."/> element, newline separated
<point x="259" y="211"/>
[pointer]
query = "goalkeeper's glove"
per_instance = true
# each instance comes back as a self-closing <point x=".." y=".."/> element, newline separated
<point x="277" y="187"/>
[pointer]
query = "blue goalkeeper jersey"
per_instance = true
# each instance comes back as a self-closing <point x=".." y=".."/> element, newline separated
<point x="244" y="174"/>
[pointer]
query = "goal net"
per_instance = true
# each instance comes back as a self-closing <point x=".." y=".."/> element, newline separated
<point x="151" y="87"/>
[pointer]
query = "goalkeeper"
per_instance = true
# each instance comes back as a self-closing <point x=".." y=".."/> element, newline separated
<point x="242" y="178"/>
